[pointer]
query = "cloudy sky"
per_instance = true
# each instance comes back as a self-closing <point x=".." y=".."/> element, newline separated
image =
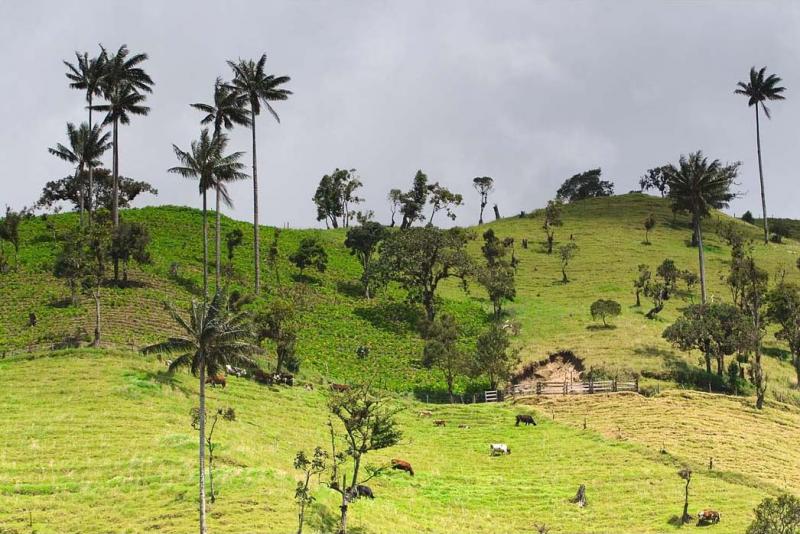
<point x="526" y="92"/>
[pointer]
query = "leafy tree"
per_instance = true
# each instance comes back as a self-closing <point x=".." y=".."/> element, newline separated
<point x="88" y="74"/>
<point x="780" y="515"/>
<point x="697" y="186"/>
<point x="494" y="356"/>
<point x="493" y="249"/>
<point x="442" y="199"/>
<point x="366" y="423"/>
<point x="73" y="263"/>
<point x="566" y="253"/>
<point x="274" y="254"/>
<point x="442" y="351"/>
<point x="748" y="217"/>
<point x="68" y="189"/>
<point x="85" y="149"/>
<point x="278" y="324"/>
<point x="9" y="230"/>
<point x="122" y="86"/>
<point x="640" y="284"/>
<point x="716" y="330"/>
<point x="335" y="196"/>
<point x="309" y="467"/>
<point x="226" y="414"/>
<point x="253" y="83"/>
<point x="605" y="309"/>
<point x="412" y="203"/>
<point x="483" y="185"/>
<point x="783" y="309"/>
<point x="655" y="178"/>
<point x="584" y="185"/>
<point x="419" y="258"/>
<point x="310" y="254"/>
<point x="363" y="243"/>
<point x="498" y="280"/>
<point x="229" y="109"/>
<point x="212" y="337"/>
<point x="395" y="198"/>
<point x="552" y="220"/>
<point x="206" y="161"/>
<point x="649" y="224"/>
<point x="129" y="242"/>
<point x="233" y="240"/>
<point x="758" y="90"/>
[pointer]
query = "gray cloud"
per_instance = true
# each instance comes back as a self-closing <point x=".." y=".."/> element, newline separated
<point x="526" y="92"/>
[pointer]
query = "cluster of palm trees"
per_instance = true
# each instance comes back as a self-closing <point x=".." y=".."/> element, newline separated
<point x="118" y="79"/>
<point x="237" y="102"/>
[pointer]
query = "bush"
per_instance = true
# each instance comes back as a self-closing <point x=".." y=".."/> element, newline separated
<point x="777" y="516"/>
<point x="748" y="217"/>
<point x="605" y="309"/>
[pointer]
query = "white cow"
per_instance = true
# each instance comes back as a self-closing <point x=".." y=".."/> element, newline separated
<point x="499" y="448"/>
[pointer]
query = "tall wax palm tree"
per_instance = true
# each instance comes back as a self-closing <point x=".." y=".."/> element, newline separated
<point x="87" y="74"/>
<point x="697" y="186"/>
<point x="758" y="90"/>
<point x="229" y="108"/>
<point x="123" y="85"/>
<point x="251" y="81"/>
<point x="212" y="337"/>
<point x="207" y="162"/>
<point x="84" y="150"/>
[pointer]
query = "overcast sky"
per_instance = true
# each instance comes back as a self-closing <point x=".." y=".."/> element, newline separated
<point x="526" y="92"/>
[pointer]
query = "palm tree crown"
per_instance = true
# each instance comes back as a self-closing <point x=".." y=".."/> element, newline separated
<point x="228" y="109"/>
<point x="123" y="100"/>
<point x="251" y="81"/>
<point x="698" y="186"/>
<point x="123" y="69"/>
<point x="207" y="162"/>
<point x="760" y="89"/>
<point x="87" y="74"/>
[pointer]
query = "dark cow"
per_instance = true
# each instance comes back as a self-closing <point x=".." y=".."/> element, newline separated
<point x="707" y="517"/>
<point x="364" y="491"/>
<point x="525" y="419"/>
<point x="339" y="388"/>
<point x="216" y="380"/>
<point x="262" y="377"/>
<point x="287" y="379"/>
<point x="402" y="465"/>
<point x="440" y="422"/>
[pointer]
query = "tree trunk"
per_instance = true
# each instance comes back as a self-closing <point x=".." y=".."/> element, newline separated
<point x="496" y="213"/>
<point x="761" y="177"/>
<point x="427" y="303"/>
<point x="115" y="177"/>
<point x="343" y="507"/>
<point x="91" y="168"/>
<point x="720" y="364"/>
<point x="219" y="241"/>
<point x="685" y="517"/>
<point x="638" y="300"/>
<point x="205" y="247"/>
<point x="96" y="295"/>
<point x="256" y="256"/>
<point x="483" y="205"/>
<point x="701" y="257"/>
<point x="202" y="457"/>
<point x="80" y="192"/>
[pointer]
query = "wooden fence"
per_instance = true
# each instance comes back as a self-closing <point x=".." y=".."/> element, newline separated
<point x="573" y="388"/>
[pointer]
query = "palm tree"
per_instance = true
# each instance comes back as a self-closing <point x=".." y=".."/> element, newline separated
<point x="122" y="85"/>
<point x="206" y="162"/>
<point x="757" y="90"/>
<point x="257" y="87"/>
<point x="84" y="150"/>
<point x="229" y="108"/>
<point x="87" y="74"/>
<point x="212" y="337"/>
<point x="697" y="186"/>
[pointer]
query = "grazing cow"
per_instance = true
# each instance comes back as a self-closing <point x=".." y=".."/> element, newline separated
<point x="525" y="419"/>
<point x="339" y="388"/>
<point x="425" y="413"/>
<point x="216" y="380"/>
<point x="364" y="491"/>
<point x="462" y="425"/>
<point x="499" y="448"/>
<point x="235" y="371"/>
<point x="440" y="422"/>
<point x="402" y="465"/>
<point x="287" y="379"/>
<point x="708" y="517"/>
<point x="262" y="377"/>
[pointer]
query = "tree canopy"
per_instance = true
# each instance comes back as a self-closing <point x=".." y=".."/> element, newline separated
<point x="584" y="185"/>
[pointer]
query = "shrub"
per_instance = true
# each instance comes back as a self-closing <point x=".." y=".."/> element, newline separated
<point x="748" y="217"/>
<point x="777" y="516"/>
<point x="605" y="309"/>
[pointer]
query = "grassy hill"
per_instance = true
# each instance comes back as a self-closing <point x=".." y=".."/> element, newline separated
<point x="100" y="441"/>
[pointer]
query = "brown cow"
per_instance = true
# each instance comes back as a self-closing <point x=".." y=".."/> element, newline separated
<point x="425" y="413"/>
<point x="708" y="517"/>
<point x="402" y="465"/>
<point x="216" y="380"/>
<point x="339" y="388"/>
<point x="440" y="422"/>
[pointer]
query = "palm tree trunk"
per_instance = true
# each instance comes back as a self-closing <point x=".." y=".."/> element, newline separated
<point x="256" y="255"/>
<point x="761" y="177"/>
<point x="115" y="177"/>
<point x="96" y="295"/>
<point x="701" y="256"/>
<point x="219" y="242"/>
<point x="205" y="246"/>
<point x="80" y="192"/>
<point x="202" y="458"/>
<point x="91" y="169"/>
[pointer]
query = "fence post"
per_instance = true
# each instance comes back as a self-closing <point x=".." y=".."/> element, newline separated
<point x="614" y="385"/>
<point x="591" y="385"/>
<point x="636" y="384"/>
<point x="565" y="386"/>
<point x="538" y="388"/>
